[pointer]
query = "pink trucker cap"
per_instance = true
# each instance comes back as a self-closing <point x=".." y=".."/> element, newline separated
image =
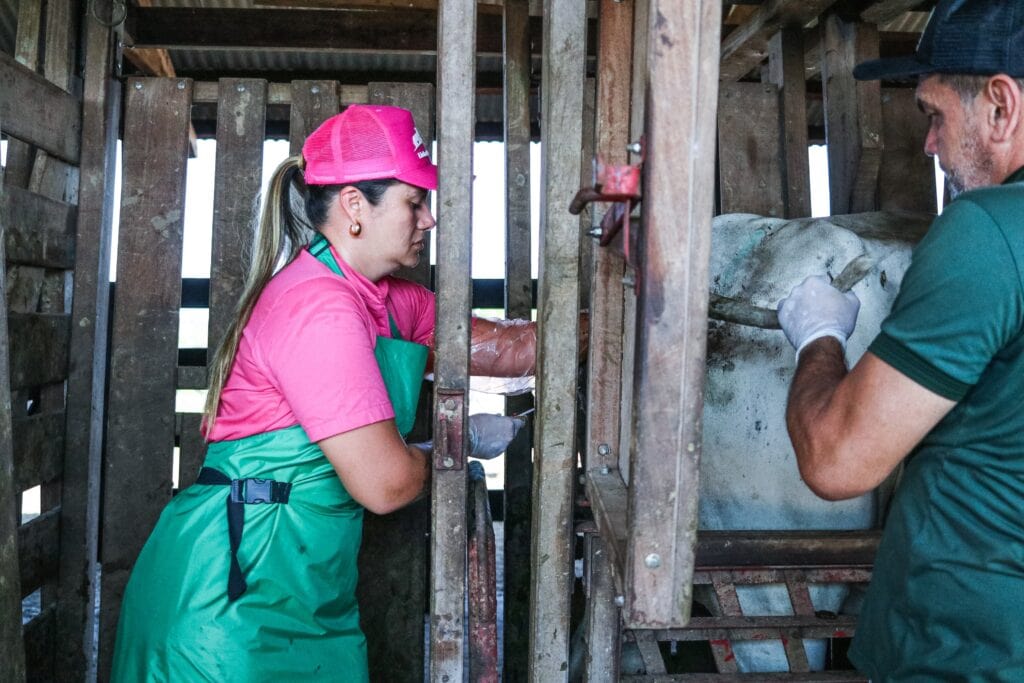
<point x="368" y="142"/>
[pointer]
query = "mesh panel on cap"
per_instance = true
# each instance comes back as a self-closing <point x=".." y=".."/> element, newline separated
<point x="318" y="150"/>
<point x="362" y="138"/>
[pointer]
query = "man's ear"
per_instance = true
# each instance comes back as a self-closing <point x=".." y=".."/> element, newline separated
<point x="1003" y="97"/>
<point x="350" y="200"/>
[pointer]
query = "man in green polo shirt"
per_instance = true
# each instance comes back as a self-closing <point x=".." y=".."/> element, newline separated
<point x="943" y="383"/>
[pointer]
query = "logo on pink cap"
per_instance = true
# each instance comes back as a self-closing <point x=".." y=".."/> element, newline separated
<point x="368" y="142"/>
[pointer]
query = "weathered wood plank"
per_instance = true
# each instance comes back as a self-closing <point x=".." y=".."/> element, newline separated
<point x="750" y="161"/>
<point x="313" y="102"/>
<point x="518" y="304"/>
<point x="191" y="449"/>
<point x="38" y="449"/>
<point x="20" y="155"/>
<point x="206" y="92"/>
<point x="40" y="231"/>
<point x="192" y="377"/>
<point x="555" y="448"/>
<point x="39" y="348"/>
<point x="38" y="547"/>
<point x="886" y="10"/>
<point x="12" y="647"/>
<point x="456" y="116"/>
<point x="38" y="112"/>
<point x="140" y="422"/>
<point x="672" y="299"/>
<point x="906" y="179"/>
<point x="241" y="121"/>
<point x="420" y="100"/>
<point x="393" y="558"/>
<point x="853" y="117"/>
<point x="747" y="45"/>
<point x="40" y="643"/>
<point x="786" y="70"/>
<point x="604" y="381"/>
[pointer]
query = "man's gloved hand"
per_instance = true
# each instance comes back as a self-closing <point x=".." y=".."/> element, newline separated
<point x="816" y="309"/>
<point x="489" y="435"/>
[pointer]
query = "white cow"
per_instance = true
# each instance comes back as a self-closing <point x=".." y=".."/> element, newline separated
<point x="748" y="472"/>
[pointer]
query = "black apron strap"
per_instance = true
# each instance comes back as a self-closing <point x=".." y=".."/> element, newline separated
<point x="242" y="492"/>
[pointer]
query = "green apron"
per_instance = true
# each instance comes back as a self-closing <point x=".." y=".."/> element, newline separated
<point x="206" y="602"/>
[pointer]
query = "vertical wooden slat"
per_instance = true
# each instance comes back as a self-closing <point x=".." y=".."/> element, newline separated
<point x="518" y="304"/>
<point x="140" y="420"/>
<point x="241" y="124"/>
<point x="672" y="299"/>
<point x="557" y="339"/>
<point x="393" y="557"/>
<point x="419" y="99"/>
<point x="87" y="363"/>
<point x="604" y="380"/>
<point x="906" y="180"/>
<point x="853" y="116"/>
<point x="12" y="647"/>
<point x="750" y="152"/>
<point x="786" y="70"/>
<point x="456" y="116"/>
<point x="313" y="102"/>
<point x="603" y="639"/>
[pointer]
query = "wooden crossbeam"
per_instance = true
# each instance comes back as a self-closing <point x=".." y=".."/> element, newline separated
<point x="747" y="46"/>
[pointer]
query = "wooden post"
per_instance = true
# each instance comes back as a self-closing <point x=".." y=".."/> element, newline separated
<point x="906" y="180"/>
<point x="393" y="557"/>
<point x="456" y="117"/>
<point x="313" y="102"/>
<point x="140" y="420"/>
<point x="672" y="297"/>
<point x="751" y="166"/>
<point x="853" y="116"/>
<point x="604" y="381"/>
<point x="518" y="304"/>
<point x="87" y="363"/>
<point x="786" y="70"/>
<point x="12" y="646"/>
<point x="557" y="339"/>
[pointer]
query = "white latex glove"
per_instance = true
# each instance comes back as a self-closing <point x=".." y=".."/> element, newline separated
<point x="816" y="309"/>
<point x="489" y="435"/>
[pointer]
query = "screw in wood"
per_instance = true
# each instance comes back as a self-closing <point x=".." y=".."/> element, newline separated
<point x="448" y="462"/>
<point x="653" y="561"/>
<point x="620" y="601"/>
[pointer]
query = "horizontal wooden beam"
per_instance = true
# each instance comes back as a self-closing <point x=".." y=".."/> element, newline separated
<point x="40" y="231"/>
<point x="747" y="45"/>
<point x="38" y="449"/>
<point x="207" y="92"/>
<point x="483" y="6"/>
<point x="39" y="348"/>
<point x="38" y="550"/>
<point x="409" y="30"/>
<point x="38" y="112"/>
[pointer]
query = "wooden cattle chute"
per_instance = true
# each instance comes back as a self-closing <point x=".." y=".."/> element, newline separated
<point x="57" y="247"/>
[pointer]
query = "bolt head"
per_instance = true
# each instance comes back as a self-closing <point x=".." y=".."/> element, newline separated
<point x="315" y="89"/>
<point x="620" y="601"/>
<point x="448" y="462"/>
<point x="138" y="86"/>
<point x="653" y="561"/>
<point x="603" y="449"/>
<point x="181" y="85"/>
<point x="605" y="469"/>
<point x="449" y="404"/>
<point x="240" y="88"/>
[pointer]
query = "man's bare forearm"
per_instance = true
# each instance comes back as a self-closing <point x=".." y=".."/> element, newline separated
<point x="821" y="368"/>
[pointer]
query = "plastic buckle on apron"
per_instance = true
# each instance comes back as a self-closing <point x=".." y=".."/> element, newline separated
<point x="243" y="491"/>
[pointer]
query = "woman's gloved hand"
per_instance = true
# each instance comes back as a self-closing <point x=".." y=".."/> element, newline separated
<point x="490" y="435"/>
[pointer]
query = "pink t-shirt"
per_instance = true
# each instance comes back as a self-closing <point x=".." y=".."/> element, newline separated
<point x="306" y="355"/>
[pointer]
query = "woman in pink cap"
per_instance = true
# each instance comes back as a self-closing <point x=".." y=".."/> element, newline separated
<point x="311" y="393"/>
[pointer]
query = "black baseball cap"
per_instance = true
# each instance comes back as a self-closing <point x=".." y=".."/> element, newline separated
<point x="981" y="37"/>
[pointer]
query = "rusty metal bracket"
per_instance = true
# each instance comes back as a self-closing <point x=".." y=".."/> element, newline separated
<point x="449" y="451"/>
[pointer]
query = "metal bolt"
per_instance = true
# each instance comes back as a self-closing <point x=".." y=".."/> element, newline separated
<point x="315" y="89"/>
<point x="653" y="561"/>
<point x="634" y="147"/>
<point x="605" y="469"/>
<point x="629" y="281"/>
<point x="448" y="462"/>
<point x="181" y="85"/>
<point x="603" y="449"/>
<point x="595" y="232"/>
<point x="240" y="88"/>
<point x="449" y="404"/>
<point x="138" y="86"/>
<point x="620" y="601"/>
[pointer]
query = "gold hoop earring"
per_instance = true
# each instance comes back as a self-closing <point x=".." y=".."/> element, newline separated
<point x="355" y="229"/>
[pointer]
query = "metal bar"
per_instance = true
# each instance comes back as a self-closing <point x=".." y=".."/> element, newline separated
<point x="786" y="548"/>
<point x="456" y="41"/>
<point x="562" y="84"/>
